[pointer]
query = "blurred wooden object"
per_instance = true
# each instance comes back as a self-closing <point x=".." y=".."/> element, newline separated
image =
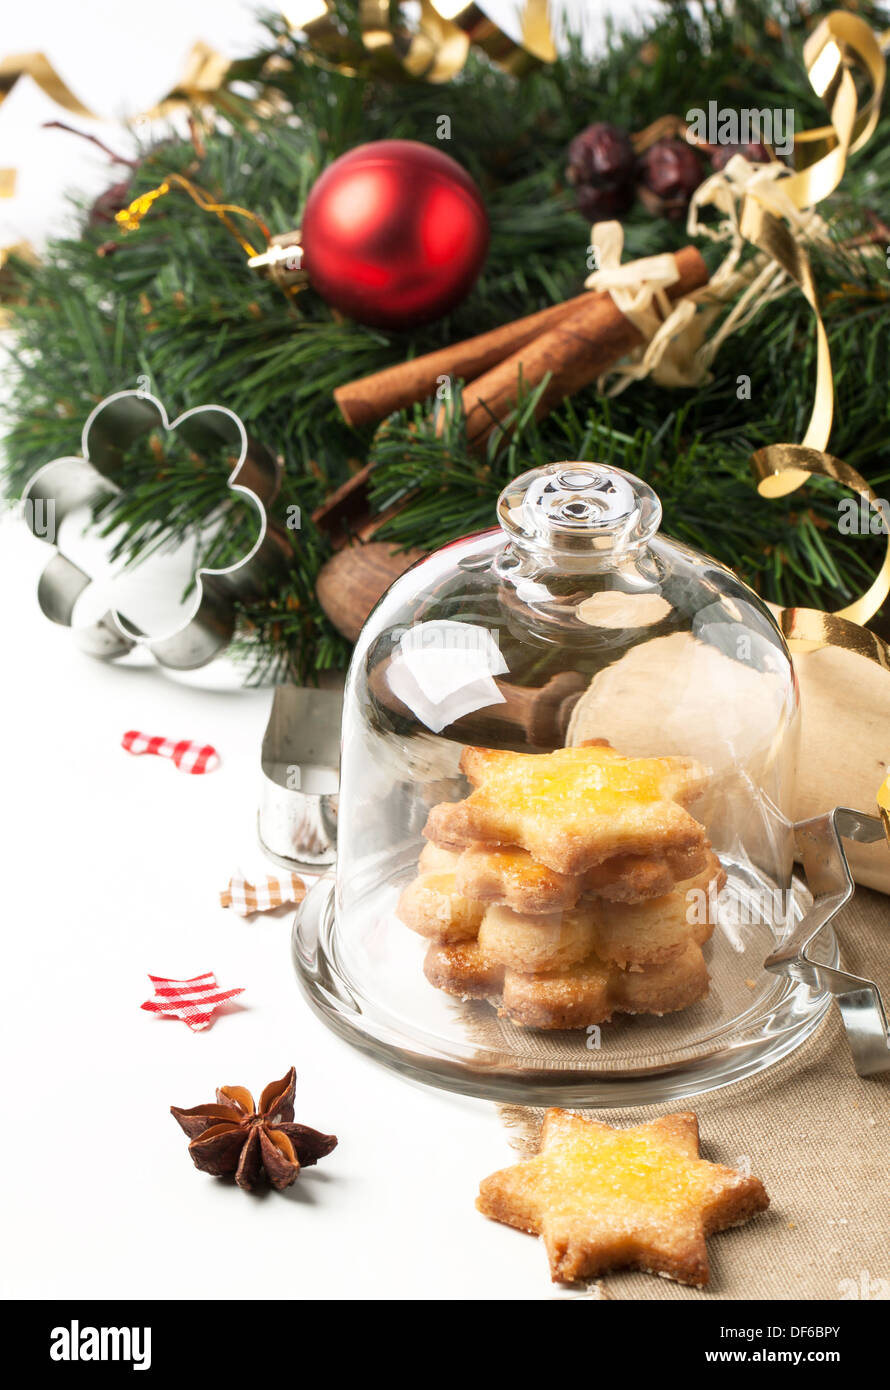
<point x="352" y="581"/>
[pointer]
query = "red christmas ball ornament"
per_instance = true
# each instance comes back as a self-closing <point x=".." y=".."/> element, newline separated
<point x="394" y="234"/>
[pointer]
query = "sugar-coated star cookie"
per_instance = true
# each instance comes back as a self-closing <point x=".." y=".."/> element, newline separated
<point x="592" y="991"/>
<point x="622" y="934"/>
<point x="604" y="1198"/>
<point x="647" y="932"/>
<point x="574" y="808"/>
<point x="432" y="906"/>
<point x="437" y="861"/>
<point x="510" y="877"/>
<point x="586" y="993"/>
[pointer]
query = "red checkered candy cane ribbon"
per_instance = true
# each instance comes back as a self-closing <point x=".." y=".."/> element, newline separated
<point x="246" y="898"/>
<point x="195" y="1001"/>
<point x="187" y="756"/>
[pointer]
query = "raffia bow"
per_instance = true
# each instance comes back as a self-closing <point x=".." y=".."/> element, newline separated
<point x="639" y="291"/>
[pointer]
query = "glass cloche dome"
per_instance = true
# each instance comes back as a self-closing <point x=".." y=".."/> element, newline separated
<point x="565" y="843"/>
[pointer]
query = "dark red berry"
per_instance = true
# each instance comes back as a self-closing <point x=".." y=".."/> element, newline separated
<point x="670" y="172"/>
<point x="601" y="169"/>
<point x="754" y="152"/>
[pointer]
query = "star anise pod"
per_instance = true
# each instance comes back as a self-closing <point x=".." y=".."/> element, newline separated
<point x="237" y="1136"/>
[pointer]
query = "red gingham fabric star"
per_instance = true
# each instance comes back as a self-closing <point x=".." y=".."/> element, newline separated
<point x="188" y="756"/>
<point x="195" y="1001"/>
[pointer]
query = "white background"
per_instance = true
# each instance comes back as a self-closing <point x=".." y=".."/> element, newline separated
<point x="112" y="869"/>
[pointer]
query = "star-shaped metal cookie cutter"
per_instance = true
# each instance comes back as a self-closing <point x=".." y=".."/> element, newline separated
<point x="89" y="479"/>
<point x="820" y="850"/>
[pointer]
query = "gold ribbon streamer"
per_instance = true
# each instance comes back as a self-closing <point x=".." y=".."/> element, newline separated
<point x="774" y="465"/>
<point x="435" y="50"/>
<point x="201" y="81"/>
<point x="765" y="231"/>
<point x="838" y="45"/>
<point x="38" y="67"/>
<point x="131" y="216"/>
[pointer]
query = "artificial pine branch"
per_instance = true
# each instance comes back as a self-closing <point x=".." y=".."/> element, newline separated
<point x="174" y="300"/>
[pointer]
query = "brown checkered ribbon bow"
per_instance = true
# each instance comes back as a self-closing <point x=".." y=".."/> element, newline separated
<point x="273" y="891"/>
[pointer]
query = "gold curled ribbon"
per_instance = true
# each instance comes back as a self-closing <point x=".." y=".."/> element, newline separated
<point x="839" y="44"/>
<point x="434" y="49"/>
<point x="40" y="70"/>
<point x="131" y="216"/>
<point x="130" y="219"/>
<point x="773" y="466"/>
<point x="38" y="67"/>
<point x="202" y="80"/>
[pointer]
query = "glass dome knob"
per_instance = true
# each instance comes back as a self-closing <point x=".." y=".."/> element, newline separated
<point x="578" y="509"/>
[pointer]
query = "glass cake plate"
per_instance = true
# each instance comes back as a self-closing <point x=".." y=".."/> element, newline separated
<point x="371" y="990"/>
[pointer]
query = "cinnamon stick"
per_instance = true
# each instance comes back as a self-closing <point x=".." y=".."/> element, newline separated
<point x="575" y="351"/>
<point x="372" y="398"/>
<point x="346" y="515"/>
<point x="347" y="505"/>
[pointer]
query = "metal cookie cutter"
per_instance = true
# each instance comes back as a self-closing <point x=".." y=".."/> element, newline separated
<point x="297" y="820"/>
<point x="819" y="849"/>
<point x="87" y="480"/>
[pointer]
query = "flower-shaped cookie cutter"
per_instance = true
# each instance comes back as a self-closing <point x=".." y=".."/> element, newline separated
<point x="819" y="848"/>
<point x="89" y="479"/>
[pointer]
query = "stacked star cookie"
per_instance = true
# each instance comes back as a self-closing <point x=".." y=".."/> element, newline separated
<point x="558" y="889"/>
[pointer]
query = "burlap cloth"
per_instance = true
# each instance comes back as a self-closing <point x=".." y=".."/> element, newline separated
<point x="817" y="1135"/>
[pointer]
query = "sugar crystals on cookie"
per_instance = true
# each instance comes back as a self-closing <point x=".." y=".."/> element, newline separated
<point x="574" y="808"/>
<point x="557" y="890"/>
<point x="603" y="1198"/>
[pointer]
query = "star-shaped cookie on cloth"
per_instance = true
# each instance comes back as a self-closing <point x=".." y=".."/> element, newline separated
<point x="604" y="1198"/>
<point x="573" y="808"/>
